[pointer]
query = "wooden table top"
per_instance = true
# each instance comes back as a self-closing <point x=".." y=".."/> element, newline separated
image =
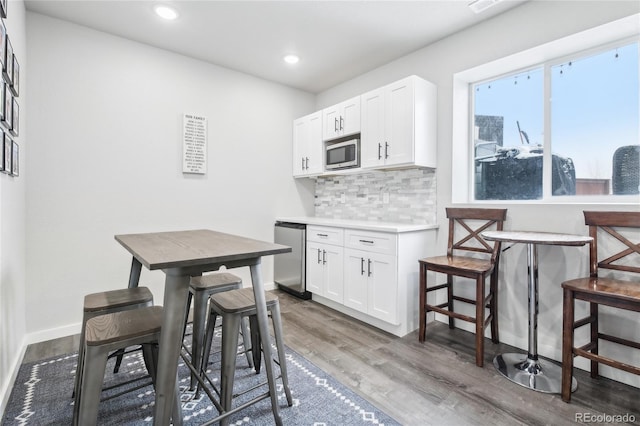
<point x="178" y="249"/>
<point x="536" y="237"/>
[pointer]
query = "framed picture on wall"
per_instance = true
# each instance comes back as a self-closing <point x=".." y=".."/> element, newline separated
<point x="8" y="106"/>
<point x="15" y="115"/>
<point x="15" y="159"/>
<point x="15" y="79"/>
<point x="2" y="169"/>
<point x="3" y="43"/>
<point x="8" y="146"/>
<point x="2" y="95"/>
<point x="3" y="8"/>
<point x="7" y="72"/>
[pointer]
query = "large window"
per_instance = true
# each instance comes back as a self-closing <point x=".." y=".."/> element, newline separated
<point x="564" y="128"/>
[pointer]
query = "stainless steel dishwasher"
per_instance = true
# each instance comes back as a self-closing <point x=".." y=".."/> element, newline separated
<point x="289" y="272"/>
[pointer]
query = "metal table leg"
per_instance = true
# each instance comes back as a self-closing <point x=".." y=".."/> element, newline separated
<point x="263" y="325"/>
<point x="530" y="371"/>
<point x="176" y="291"/>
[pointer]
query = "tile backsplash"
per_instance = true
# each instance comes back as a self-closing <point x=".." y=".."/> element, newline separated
<point x="405" y="196"/>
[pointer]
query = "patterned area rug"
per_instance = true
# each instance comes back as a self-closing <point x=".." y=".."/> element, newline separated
<point x="42" y="396"/>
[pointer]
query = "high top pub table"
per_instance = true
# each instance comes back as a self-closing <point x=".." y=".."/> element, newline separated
<point x="530" y="371"/>
<point x="181" y="255"/>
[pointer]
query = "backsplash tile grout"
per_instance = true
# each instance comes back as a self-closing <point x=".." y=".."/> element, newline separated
<point x="411" y="196"/>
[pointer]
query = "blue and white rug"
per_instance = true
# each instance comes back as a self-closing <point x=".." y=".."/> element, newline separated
<point x="42" y="396"/>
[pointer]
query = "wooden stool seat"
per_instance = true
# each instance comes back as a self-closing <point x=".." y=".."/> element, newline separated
<point x="240" y="301"/>
<point x="118" y="326"/>
<point x="213" y="281"/>
<point x="615" y="290"/>
<point x="460" y="263"/>
<point x="110" y="332"/>
<point x="233" y="306"/>
<point x="116" y="299"/>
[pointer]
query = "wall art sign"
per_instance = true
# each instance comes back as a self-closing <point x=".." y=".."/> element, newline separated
<point x="194" y="144"/>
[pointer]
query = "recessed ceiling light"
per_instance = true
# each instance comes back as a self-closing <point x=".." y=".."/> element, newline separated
<point x="166" y="12"/>
<point x="291" y="59"/>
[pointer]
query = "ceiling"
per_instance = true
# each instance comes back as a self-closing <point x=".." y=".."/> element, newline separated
<point x="335" y="40"/>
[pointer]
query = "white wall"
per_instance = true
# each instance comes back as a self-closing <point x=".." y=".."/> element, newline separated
<point x="532" y="24"/>
<point x="12" y="227"/>
<point x="105" y="118"/>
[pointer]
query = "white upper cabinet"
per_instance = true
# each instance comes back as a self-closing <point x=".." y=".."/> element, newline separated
<point x="307" y="145"/>
<point x="342" y="119"/>
<point x="399" y="125"/>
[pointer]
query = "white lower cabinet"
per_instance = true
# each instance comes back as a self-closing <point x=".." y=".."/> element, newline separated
<point x="325" y="270"/>
<point x="325" y="253"/>
<point x="371" y="284"/>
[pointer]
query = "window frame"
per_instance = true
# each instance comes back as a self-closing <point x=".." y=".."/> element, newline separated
<point x="587" y="43"/>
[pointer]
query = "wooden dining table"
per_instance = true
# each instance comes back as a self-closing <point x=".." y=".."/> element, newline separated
<point x="182" y="255"/>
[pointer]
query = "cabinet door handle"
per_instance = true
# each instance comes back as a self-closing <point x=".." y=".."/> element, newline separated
<point x="323" y="235"/>
<point x="366" y="241"/>
<point x="335" y="124"/>
<point x="324" y="257"/>
<point x="369" y="267"/>
<point x="307" y="162"/>
<point x="302" y="163"/>
<point x="319" y="260"/>
<point x="362" y="266"/>
<point x="386" y="150"/>
<point x="341" y="123"/>
<point x="379" y="148"/>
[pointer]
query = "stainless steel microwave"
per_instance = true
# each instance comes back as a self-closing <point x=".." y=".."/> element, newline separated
<point x="342" y="155"/>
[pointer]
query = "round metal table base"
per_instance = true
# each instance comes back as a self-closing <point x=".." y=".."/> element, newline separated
<point x="539" y="375"/>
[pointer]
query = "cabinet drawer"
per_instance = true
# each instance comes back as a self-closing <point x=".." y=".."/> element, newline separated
<point x="327" y="235"/>
<point x="377" y="242"/>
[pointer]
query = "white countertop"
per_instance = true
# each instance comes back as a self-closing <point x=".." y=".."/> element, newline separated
<point x="359" y="224"/>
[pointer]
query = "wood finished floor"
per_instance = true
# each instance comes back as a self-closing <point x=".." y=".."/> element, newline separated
<point x="435" y="383"/>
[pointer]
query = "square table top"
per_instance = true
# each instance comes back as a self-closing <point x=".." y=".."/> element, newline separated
<point x="179" y="249"/>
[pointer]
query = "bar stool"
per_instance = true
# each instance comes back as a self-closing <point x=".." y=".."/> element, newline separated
<point x="110" y="332"/>
<point x="200" y="289"/>
<point x="233" y="306"/>
<point x="107" y="302"/>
